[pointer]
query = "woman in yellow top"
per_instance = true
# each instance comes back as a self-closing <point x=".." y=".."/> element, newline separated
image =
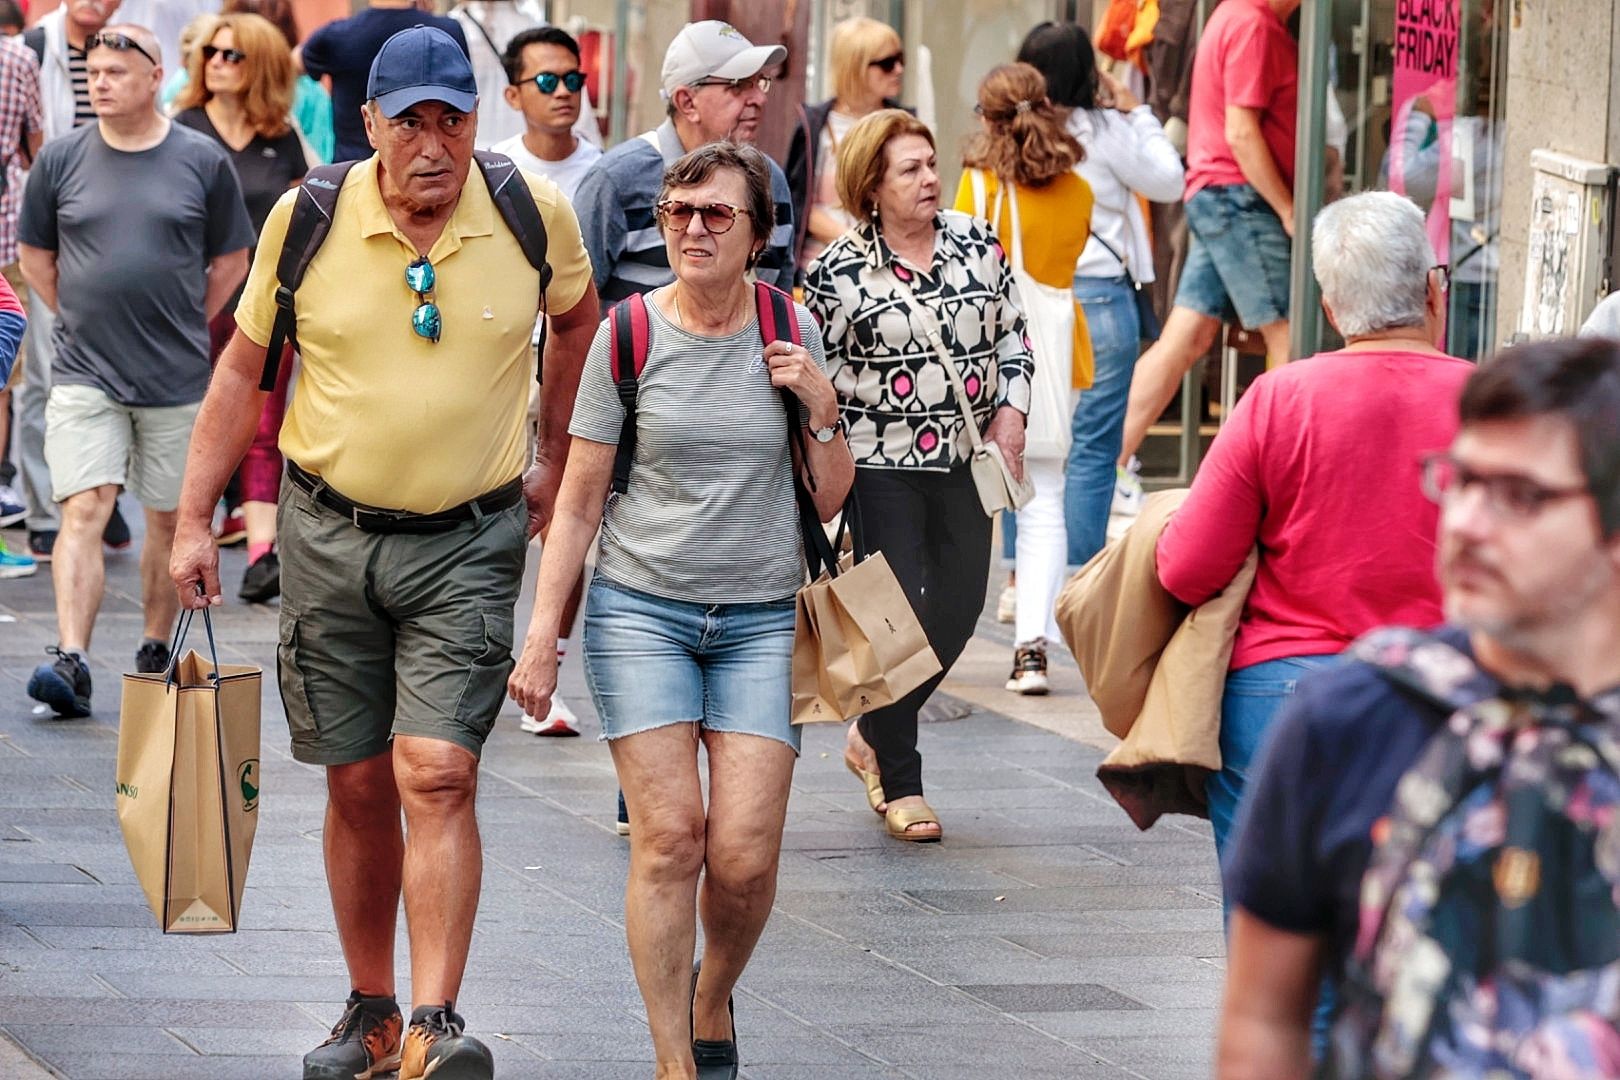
<point x="1021" y="177"/>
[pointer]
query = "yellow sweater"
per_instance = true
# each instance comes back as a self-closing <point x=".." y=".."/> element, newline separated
<point x="1056" y="221"/>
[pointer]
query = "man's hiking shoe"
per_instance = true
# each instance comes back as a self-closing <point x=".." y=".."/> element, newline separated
<point x="261" y="582"/>
<point x="436" y="1047"/>
<point x="63" y="684"/>
<point x="152" y="658"/>
<point x="363" y="1045"/>
<point x="115" y="535"/>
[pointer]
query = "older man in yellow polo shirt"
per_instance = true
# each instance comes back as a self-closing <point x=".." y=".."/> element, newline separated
<point x="402" y="525"/>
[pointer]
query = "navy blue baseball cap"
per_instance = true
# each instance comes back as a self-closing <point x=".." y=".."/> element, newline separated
<point x="421" y="63"/>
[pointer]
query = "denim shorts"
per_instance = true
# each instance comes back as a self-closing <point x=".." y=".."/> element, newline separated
<point x="1237" y="259"/>
<point x="652" y="662"/>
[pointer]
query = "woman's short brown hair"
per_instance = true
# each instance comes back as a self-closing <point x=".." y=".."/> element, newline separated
<point x="861" y="157"/>
<point x="854" y="44"/>
<point x="699" y="165"/>
<point x="267" y="73"/>
<point x="1027" y="139"/>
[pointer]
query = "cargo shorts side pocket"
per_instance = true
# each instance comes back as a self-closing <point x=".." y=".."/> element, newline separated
<point x="485" y="688"/>
<point x="294" y="692"/>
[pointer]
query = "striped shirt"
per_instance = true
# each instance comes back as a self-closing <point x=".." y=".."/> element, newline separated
<point x="80" y="74"/>
<point x="615" y="208"/>
<point x="709" y="516"/>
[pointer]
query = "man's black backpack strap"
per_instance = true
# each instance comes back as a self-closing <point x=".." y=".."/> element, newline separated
<point x="306" y="230"/>
<point x="312" y="220"/>
<point x="516" y="203"/>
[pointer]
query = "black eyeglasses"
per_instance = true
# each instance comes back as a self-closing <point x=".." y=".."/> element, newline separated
<point x="425" y="320"/>
<point x="548" y="81"/>
<point x="888" y="63"/>
<point x="230" y="56"/>
<point x="118" y="43"/>
<point x="740" y="86"/>
<point x="1510" y="496"/>
<point x="718" y="218"/>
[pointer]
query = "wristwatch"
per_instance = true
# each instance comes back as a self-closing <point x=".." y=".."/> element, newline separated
<point x="825" y="435"/>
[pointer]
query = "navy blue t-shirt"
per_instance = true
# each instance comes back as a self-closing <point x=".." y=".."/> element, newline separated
<point x="1304" y="835"/>
<point x="344" y="49"/>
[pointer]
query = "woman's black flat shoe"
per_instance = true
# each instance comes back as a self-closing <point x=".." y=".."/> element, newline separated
<point x="716" y="1059"/>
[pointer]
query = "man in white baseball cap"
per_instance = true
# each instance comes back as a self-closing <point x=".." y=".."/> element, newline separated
<point x="715" y="82"/>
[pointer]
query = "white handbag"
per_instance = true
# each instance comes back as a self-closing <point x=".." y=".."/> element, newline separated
<point x="997" y="487"/>
<point x="1049" y="321"/>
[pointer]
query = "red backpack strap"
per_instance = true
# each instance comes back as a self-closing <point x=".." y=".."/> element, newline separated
<point x="629" y="338"/>
<point x="776" y="319"/>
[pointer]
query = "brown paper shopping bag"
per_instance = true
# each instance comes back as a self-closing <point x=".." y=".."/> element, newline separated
<point x="188" y="785"/>
<point x="857" y="644"/>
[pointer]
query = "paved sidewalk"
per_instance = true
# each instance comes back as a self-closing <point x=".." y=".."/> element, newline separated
<point x="1044" y="938"/>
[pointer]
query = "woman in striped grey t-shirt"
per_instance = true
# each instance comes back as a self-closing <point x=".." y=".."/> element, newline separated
<point x="689" y="620"/>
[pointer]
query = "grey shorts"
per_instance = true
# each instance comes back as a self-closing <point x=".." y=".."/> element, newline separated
<point x="393" y="634"/>
<point x="91" y="441"/>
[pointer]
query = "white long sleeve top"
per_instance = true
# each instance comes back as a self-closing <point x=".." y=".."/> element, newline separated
<point x="1126" y="153"/>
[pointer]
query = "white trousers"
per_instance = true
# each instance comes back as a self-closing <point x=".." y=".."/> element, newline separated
<point x="1042" y="554"/>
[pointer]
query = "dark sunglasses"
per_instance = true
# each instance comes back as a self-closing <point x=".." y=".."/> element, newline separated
<point x="425" y="320"/>
<point x="889" y="63"/>
<point x="547" y="81"/>
<point x="718" y="218"/>
<point x="118" y="43"/>
<point x="230" y="56"/>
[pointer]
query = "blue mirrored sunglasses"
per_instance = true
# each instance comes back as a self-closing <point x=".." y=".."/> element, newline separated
<point x="547" y="81"/>
<point x="425" y="320"/>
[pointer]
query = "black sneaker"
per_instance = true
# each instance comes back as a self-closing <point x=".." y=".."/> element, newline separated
<point x="364" y="1044"/>
<point x="152" y="657"/>
<point x="116" y="534"/>
<point x="41" y="543"/>
<point x="261" y="582"/>
<point x="622" y="825"/>
<point x="63" y="684"/>
<point x="436" y="1047"/>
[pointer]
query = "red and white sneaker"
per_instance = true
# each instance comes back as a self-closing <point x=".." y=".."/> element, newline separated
<point x="559" y="722"/>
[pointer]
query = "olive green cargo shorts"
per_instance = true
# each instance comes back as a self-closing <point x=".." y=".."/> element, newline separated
<point x="393" y="634"/>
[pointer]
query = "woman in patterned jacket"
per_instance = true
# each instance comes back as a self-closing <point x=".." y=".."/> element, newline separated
<point x="905" y="427"/>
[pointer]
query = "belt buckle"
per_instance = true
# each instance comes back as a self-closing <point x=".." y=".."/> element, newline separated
<point x="374" y="518"/>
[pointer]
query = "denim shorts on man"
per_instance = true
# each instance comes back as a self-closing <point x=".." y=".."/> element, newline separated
<point x="92" y="441"/>
<point x="652" y="662"/>
<point x="386" y="634"/>
<point x="1237" y="258"/>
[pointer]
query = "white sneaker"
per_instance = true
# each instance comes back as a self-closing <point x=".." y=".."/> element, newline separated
<point x="1007" y="604"/>
<point x="1029" y="669"/>
<point x="560" y="721"/>
<point x="1128" y="489"/>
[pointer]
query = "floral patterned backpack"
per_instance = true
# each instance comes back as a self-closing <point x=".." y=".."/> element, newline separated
<point x="1489" y="936"/>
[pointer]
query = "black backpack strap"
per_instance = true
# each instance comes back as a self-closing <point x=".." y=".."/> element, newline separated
<point x="629" y="339"/>
<point x="306" y="230"/>
<point x="515" y="201"/>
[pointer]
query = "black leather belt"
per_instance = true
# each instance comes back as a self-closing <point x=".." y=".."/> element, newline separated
<point x="375" y="520"/>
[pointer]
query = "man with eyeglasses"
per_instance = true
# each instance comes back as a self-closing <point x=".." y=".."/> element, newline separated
<point x="404" y="523"/>
<point x="546" y="89"/>
<point x="133" y="231"/>
<point x="1432" y="825"/>
<point x="715" y="83"/>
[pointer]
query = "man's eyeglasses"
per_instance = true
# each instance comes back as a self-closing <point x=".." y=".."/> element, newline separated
<point x="740" y="86"/>
<point x="1444" y="270"/>
<point x="425" y="320"/>
<point x="118" y="43"/>
<point x="1510" y="496"/>
<point x="887" y="64"/>
<point x="230" y="56"/>
<point x="718" y="218"/>
<point x="548" y="81"/>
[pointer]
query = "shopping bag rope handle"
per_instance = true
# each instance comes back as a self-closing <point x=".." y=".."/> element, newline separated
<point x="180" y="629"/>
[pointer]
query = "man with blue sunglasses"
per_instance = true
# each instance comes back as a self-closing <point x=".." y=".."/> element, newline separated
<point x="404" y="522"/>
<point x="547" y="89"/>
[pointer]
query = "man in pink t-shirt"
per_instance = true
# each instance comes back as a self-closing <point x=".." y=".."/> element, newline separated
<point x="1240" y="200"/>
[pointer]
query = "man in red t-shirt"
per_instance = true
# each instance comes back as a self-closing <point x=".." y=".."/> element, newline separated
<point x="1240" y="200"/>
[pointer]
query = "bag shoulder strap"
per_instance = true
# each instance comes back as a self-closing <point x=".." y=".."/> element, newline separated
<point x="306" y="230"/>
<point x="947" y="361"/>
<point x="1117" y="257"/>
<point x="34" y="38"/>
<point x="1010" y="188"/>
<point x="629" y="341"/>
<point x="980" y="200"/>
<point x="514" y="200"/>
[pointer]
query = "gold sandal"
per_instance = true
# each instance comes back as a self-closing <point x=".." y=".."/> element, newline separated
<point x="873" y="782"/>
<point x="899" y="820"/>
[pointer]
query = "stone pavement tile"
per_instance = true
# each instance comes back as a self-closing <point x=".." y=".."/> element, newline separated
<point x="820" y="1072"/>
<point x="1049" y="997"/>
<point x="1191" y="920"/>
<point x="1150" y="1052"/>
<point x="41" y="873"/>
<point x="50" y="984"/>
<point x="1118" y="1023"/>
<point x="40" y="960"/>
<point x="1126" y="944"/>
<point x="1074" y="899"/>
<point x="994" y="1047"/>
<point x="152" y="1011"/>
<point x="48" y="1040"/>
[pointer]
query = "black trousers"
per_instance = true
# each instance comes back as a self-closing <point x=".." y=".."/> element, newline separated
<point x="936" y="537"/>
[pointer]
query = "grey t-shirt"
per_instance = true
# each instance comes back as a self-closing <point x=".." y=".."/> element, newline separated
<point x="133" y="234"/>
<point x="709" y="516"/>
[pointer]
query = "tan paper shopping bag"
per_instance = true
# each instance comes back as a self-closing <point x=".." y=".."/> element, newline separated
<point x="858" y="645"/>
<point x="188" y="788"/>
